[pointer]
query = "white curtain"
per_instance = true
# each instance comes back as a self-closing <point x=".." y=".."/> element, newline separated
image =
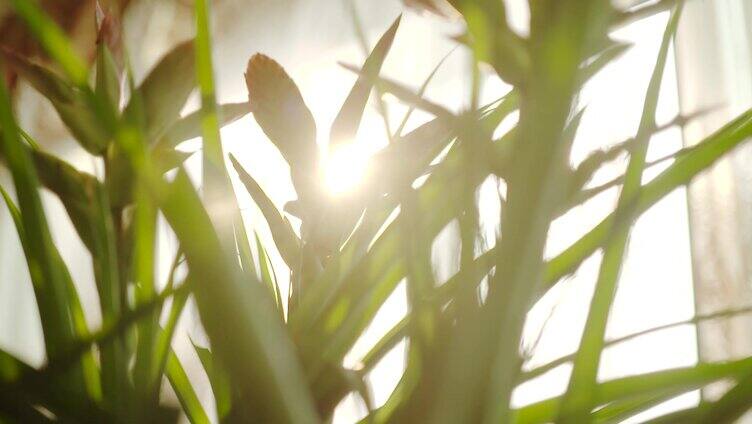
<point x="714" y="58"/>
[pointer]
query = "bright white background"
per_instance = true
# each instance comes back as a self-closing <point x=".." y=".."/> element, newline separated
<point x="308" y="38"/>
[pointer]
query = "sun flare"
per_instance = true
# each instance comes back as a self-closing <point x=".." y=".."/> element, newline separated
<point x="345" y="168"/>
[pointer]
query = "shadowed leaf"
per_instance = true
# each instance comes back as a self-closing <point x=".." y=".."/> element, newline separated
<point x="276" y="380"/>
<point x="218" y="379"/>
<point x="69" y="102"/>
<point x="283" y="234"/>
<point x="280" y="111"/>
<point x="165" y="90"/>
<point x="346" y="124"/>
<point x="48" y="273"/>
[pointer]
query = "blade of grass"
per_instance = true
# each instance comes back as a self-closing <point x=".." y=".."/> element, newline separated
<point x="347" y="121"/>
<point x="267" y="273"/>
<point x="88" y="364"/>
<point x="360" y="34"/>
<point x="401" y="92"/>
<point x="483" y="358"/>
<point x="680" y="173"/>
<point x="114" y="356"/>
<point x="109" y="332"/>
<point x="731" y="406"/>
<point x="145" y="381"/>
<point x="678" y="380"/>
<point x="274" y="387"/>
<point x="184" y="390"/>
<point x="218" y="379"/>
<point x="578" y="401"/>
<point x="284" y="236"/>
<point x="617" y="412"/>
<point x="421" y="92"/>
<point x="275" y="384"/>
<point x="46" y="270"/>
<point x="726" y="313"/>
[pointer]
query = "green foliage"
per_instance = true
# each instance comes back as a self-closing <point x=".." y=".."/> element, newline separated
<point x="281" y="360"/>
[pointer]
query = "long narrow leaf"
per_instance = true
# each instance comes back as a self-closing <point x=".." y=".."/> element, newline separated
<point x="579" y="396"/>
<point x="184" y="390"/>
<point x="346" y="124"/>
<point x="275" y="384"/>
<point x="679" y="379"/>
<point x="283" y="234"/>
<point x="218" y="379"/>
<point x="45" y="268"/>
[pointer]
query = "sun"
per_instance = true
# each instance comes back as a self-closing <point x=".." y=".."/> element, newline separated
<point x="345" y="168"/>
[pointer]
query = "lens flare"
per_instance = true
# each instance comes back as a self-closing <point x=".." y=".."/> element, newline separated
<point x="345" y="168"/>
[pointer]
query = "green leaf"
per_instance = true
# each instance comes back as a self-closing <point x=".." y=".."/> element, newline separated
<point x="218" y="379"/>
<point x="107" y="86"/>
<point x="679" y="380"/>
<point x="114" y="356"/>
<point x="110" y="331"/>
<point x="244" y="246"/>
<point x="164" y="338"/>
<point x="494" y="42"/>
<point x="680" y="173"/>
<point x="443" y="295"/>
<point x="276" y="103"/>
<point x="10" y="367"/>
<point x="43" y="262"/>
<point x="352" y="287"/>
<point x="217" y="187"/>
<point x="346" y="124"/>
<point x="618" y="411"/>
<point x="276" y="380"/>
<point x="74" y="188"/>
<point x="166" y="159"/>
<point x="268" y="275"/>
<point x="579" y="399"/>
<point x="84" y="123"/>
<point x="284" y="236"/>
<point x="145" y="380"/>
<point x="88" y="364"/>
<point x="189" y="126"/>
<point x="731" y="406"/>
<point x="725" y="313"/>
<point x="69" y="102"/>
<point x="274" y="389"/>
<point x="45" y="81"/>
<point x="165" y="90"/>
<point x="403" y="93"/>
<point x="608" y="55"/>
<point x="184" y="390"/>
<point x="641" y="10"/>
<point x="584" y="172"/>
<point x="422" y="92"/>
<point x="352" y="263"/>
